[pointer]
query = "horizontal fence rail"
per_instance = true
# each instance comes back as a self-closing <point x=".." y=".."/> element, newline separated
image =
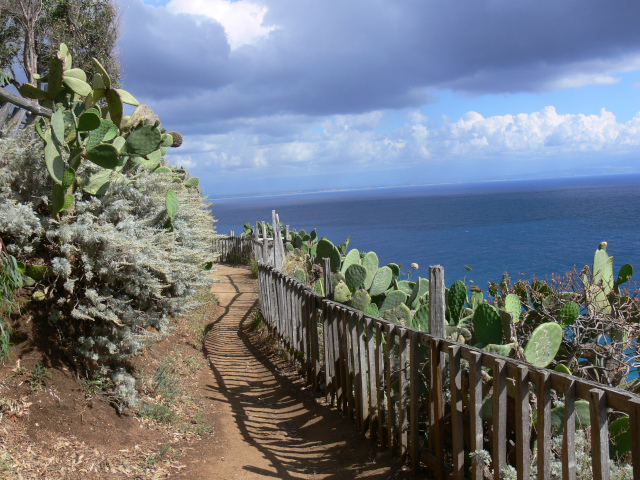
<point x="233" y="249"/>
<point x="421" y="396"/>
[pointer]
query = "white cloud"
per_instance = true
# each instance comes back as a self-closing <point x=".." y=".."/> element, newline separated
<point x="242" y="20"/>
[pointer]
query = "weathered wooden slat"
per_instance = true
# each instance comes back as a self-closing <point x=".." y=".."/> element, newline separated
<point x="523" y="456"/>
<point x="437" y="304"/>
<point x="600" y="435"/>
<point x="372" y="377"/>
<point x="543" y="428"/>
<point x="388" y="367"/>
<point x="569" y="434"/>
<point x="313" y="338"/>
<point x="354" y="367"/>
<point x="338" y="374"/>
<point x="634" y="426"/>
<point x="499" y="420"/>
<point x="437" y="395"/>
<point x="347" y="365"/>
<point x="457" y="433"/>
<point x="381" y="366"/>
<point x="342" y="361"/>
<point x="475" y="410"/>
<point x="327" y="334"/>
<point x="402" y="393"/>
<point x="363" y="372"/>
<point x="414" y="367"/>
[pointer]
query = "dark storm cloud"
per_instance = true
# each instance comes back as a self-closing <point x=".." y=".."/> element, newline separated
<point x="337" y="57"/>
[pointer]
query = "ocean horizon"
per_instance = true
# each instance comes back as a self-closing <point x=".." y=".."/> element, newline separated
<point x="535" y="227"/>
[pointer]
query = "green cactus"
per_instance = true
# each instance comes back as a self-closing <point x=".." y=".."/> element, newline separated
<point x="319" y="287"/>
<point x="171" y="204"/>
<point x="477" y="297"/>
<point x="381" y="281"/>
<point x="352" y="258"/>
<point x="624" y="275"/>
<point x="487" y="325"/>
<point x="504" y="350"/>
<point x="372" y="309"/>
<point x="371" y="263"/>
<point x="582" y="416"/>
<point x="420" y="319"/>
<point x="392" y="300"/>
<point x="569" y="313"/>
<point x="336" y="278"/>
<point x="143" y="141"/>
<point x="456" y="300"/>
<point x="360" y="300"/>
<point x="406" y="286"/>
<point x="543" y="344"/>
<point x="512" y="305"/>
<point x="619" y="437"/>
<point x="300" y="275"/>
<point x="192" y="182"/>
<point x="355" y="276"/>
<point x="419" y="289"/>
<point x="341" y="293"/>
<point x="562" y="369"/>
<point x="400" y="314"/>
<point x="395" y="269"/>
<point x="603" y="268"/>
<point x="326" y="249"/>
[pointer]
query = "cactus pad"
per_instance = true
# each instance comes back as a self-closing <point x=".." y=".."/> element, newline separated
<point x="419" y="289"/>
<point x="341" y="293"/>
<point x="353" y="257"/>
<point x="392" y="300"/>
<point x="603" y="268"/>
<point x="326" y="249"/>
<point x="336" y="278"/>
<point x="360" y="300"/>
<point x="381" y="281"/>
<point x="371" y="263"/>
<point x="569" y="313"/>
<point x="620" y="437"/>
<point x="372" y="309"/>
<point x="406" y="286"/>
<point x="420" y="319"/>
<point x="456" y="300"/>
<point x="487" y="324"/>
<point x="400" y="314"/>
<point x="171" y="203"/>
<point x="355" y="276"/>
<point x="512" y="305"/>
<point x="543" y="344"/>
<point x="300" y="275"/>
<point x="105" y="155"/>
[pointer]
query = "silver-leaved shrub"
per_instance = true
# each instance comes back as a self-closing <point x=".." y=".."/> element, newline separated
<point x="114" y="276"/>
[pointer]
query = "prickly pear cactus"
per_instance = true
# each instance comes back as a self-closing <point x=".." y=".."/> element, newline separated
<point x="319" y="287"/>
<point x="477" y="297"/>
<point x="487" y="325"/>
<point x="512" y="305"/>
<point x="603" y="268"/>
<point x="371" y="263"/>
<point x="372" y="309"/>
<point x="301" y="275"/>
<point x="456" y="301"/>
<point x="326" y="249"/>
<point x="381" y="281"/>
<point x="352" y="258"/>
<point x="420" y="288"/>
<point x="355" y="276"/>
<point x="400" y="314"/>
<point x="395" y="269"/>
<point x="569" y="313"/>
<point x="406" y="286"/>
<point x="420" y="320"/>
<point x="341" y="293"/>
<point x="543" y="344"/>
<point x="504" y="350"/>
<point x="360" y="300"/>
<point x="392" y="300"/>
<point x="336" y="278"/>
<point x="624" y="275"/>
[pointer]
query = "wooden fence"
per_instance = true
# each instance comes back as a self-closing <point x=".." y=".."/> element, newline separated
<point x="233" y="249"/>
<point x="421" y="396"/>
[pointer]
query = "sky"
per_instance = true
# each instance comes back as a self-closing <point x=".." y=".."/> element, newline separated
<point x="274" y="96"/>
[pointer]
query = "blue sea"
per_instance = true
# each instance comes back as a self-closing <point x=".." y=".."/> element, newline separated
<point x="525" y="228"/>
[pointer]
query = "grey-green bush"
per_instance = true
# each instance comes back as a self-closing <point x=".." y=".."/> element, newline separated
<point x="117" y="276"/>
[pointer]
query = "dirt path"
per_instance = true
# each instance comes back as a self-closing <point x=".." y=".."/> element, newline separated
<point x="267" y="424"/>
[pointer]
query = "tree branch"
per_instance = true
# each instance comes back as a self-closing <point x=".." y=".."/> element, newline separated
<point x="24" y="103"/>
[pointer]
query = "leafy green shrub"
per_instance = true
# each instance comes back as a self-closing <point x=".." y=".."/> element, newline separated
<point x="112" y="235"/>
<point x="10" y="281"/>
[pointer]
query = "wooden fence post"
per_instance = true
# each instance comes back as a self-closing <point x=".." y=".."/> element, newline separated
<point x="327" y="277"/>
<point x="436" y="301"/>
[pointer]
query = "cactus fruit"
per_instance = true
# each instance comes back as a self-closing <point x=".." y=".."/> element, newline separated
<point x="371" y="263"/>
<point x="326" y="249"/>
<point x="341" y="293"/>
<point x="360" y="300"/>
<point x="400" y="314"/>
<point x="569" y="313"/>
<point x="543" y="344"/>
<point x="392" y="300"/>
<point x="353" y="257"/>
<point x="512" y="305"/>
<point x="420" y="319"/>
<point x="487" y="324"/>
<point x="355" y="276"/>
<point x="603" y="268"/>
<point x="381" y="281"/>
<point x="456" y="300"/>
